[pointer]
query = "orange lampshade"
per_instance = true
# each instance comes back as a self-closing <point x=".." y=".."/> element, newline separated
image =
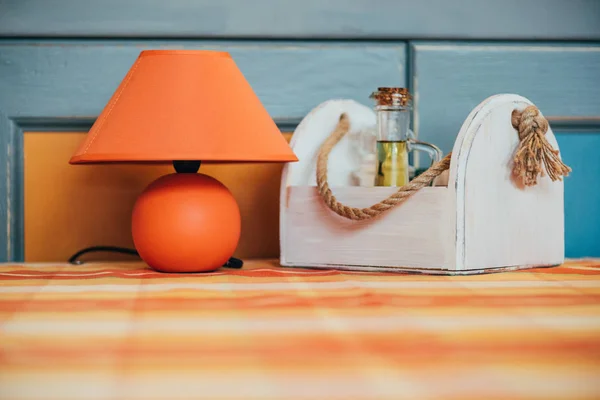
<point x="184" y="105"/>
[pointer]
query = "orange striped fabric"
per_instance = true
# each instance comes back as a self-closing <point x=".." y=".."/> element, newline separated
<point x="122" y="331"/>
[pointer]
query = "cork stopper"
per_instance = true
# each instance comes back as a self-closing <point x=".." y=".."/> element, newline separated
<point x="392" y="96"/>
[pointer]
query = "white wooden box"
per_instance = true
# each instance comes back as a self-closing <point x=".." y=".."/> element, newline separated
<point x="484" y="220"/>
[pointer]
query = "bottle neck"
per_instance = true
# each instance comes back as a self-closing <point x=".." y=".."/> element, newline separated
<point x="393" y="123"/>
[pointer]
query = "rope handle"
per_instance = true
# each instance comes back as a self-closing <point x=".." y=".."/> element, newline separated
<point x="393" y="200"/>
<point x="533" y="150"/>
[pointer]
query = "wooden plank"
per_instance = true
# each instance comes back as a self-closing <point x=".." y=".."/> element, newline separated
<point x="397" y="19"/>
<point x="417" y="234"/>
<point x="501" y="223"/>
<point x="76" y="79"/>
<point x="450" y="79"/>
<point x="6" y="212"/>
<point x="11" y="192"/>
<point x="582" y="193"/>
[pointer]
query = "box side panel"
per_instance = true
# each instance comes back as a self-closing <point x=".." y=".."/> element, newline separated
<point x="413" y="234"/>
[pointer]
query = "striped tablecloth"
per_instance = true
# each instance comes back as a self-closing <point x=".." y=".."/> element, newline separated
<point x="121" y="331"/>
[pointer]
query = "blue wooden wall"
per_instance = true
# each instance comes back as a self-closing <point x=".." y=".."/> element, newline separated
<point x="61" y="60"/>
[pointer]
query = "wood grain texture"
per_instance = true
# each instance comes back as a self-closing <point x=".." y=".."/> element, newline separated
<point x="76" y="79"/>
<point x="582" y="193"/>
<point x="11" y="194"/>
<point x="6" y="179"/>
<point x="450" y="79"/>
<point x="70" y="207"/>
<point x="499" y="221"/>
<point x="399" y="19"/>
<point x="413" y="235"/>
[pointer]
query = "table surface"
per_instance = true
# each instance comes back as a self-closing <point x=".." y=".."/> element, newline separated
<point x="122" y="331"/>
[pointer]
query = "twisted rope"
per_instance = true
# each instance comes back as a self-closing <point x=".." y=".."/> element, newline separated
<point x="533" y="150"/>
<point x="393" y="200"/>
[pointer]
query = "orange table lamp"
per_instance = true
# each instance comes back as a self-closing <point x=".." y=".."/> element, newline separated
<point x="184" y="108"/>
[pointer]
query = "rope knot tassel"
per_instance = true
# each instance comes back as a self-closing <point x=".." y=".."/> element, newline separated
<point x="534" y="149"/>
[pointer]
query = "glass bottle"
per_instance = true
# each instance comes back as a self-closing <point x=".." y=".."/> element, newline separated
<point x="393" y="107"/>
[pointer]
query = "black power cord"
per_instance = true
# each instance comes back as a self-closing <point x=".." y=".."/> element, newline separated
<point x="111" y="249"/>
<point x="74" y="259"/>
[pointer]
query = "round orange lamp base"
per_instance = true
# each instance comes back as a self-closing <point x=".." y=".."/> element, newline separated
<point x="186" y="222"/>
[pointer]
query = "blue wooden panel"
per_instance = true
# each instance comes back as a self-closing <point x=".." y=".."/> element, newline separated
<point x="449" y="80"/>
<point x="398" y="19"/>
<point x="582" y="193"/>
<point x="11" y="193"/>
<point x="76" y="79"/>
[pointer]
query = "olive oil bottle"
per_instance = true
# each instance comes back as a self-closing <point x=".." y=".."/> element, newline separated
<point x="392" y="163"/>
<point x="393" y="107"/>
